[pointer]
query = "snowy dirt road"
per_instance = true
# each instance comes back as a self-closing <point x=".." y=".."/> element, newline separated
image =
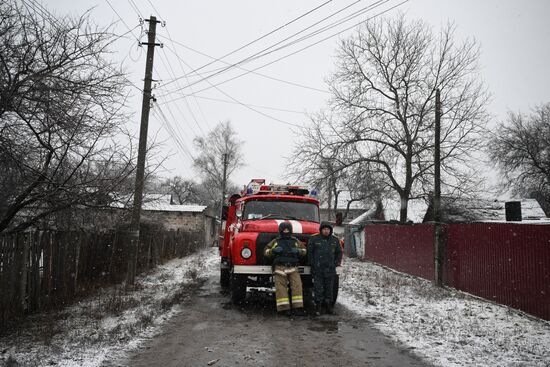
<point x="177" y="316"/>
<point x="211" y="330"/>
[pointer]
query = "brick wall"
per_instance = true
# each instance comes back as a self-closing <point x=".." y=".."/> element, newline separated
<point x="184" y="221"/>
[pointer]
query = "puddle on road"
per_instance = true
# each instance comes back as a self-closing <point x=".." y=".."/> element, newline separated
<point x="206" y="295"/>
<point x="327" y="326"/>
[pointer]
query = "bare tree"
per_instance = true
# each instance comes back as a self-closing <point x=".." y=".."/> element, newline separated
<point x="384" y="97"/>
<point x="363" y="186"/>
<point x="60" y="115"/>
<point x="315" y="161"/>
<point x="183" y="191"/>
<point x="209" y="162"/>
<point x="521" y="149"/>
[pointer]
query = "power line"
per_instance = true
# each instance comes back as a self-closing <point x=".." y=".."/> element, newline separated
<point x="183" y="70"/>
<point x="193" y="94"/>
<point x="155" y="9"/>
<point x="47" y="15"/>
<point x="325" y="28"/>
<point x="265" y="35"/>
<point x="189" y="126"/>
<point x="253" y="105"/>
<point x="173" y="134"/>
<point x="299" y="50"/>
<point x="238" y="67"/>
<point x="241" y="103"/>
<point x="185" y="100"/>
<point x="178" y="127"/>
<point x="136" y="9"/>
<point x="122" y="20"/>
<point x="264" y="52"/>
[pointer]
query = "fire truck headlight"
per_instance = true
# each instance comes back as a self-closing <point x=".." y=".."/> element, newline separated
<point x="246" y="253"/>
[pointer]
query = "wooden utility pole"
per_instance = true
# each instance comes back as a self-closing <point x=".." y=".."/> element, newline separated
<point x="142" y="148"/>
<point x="438" y="243"/>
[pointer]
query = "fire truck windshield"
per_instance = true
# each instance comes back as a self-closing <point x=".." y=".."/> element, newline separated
<point x="257" y="209"/>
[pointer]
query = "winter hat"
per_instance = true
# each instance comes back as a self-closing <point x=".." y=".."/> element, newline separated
<point x="284" y="225"/>
<point x="325" y="225"/>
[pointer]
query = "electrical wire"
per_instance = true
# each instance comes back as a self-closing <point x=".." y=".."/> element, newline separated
<point x="263" y="36"/>
<point x="238" y="67"/>
<point x="183" y="70"/>
<point x="297" y="51"/>
<point x="169" y="68"/>
<point x="135" y="7"/>
<point x="47" y="15"/>
<point x="226" y="101"/>
<point x="253" y="105"/>
<point x="172" y="132"/>
<point x="179" y="128"/>
<point x="122" y="20"/>
<point x="265" y="52"/>
<point x="175" y="133"/>
<point x="240" y="103"/>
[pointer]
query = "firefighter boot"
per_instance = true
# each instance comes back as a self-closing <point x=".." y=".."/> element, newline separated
<point x="330" y="308"/>
<point x="317" y="311"/>
<point x="285" y="313"/>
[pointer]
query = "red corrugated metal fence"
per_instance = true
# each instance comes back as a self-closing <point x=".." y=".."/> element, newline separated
<point x="502" y="262"/>
<point x="505" y="263"/>
<point x="406" y="248"/>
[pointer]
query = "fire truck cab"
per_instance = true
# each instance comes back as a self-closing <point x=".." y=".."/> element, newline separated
<point x="252" y="221"/>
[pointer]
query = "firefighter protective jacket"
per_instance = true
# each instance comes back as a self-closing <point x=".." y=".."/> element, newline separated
<point x="290" y="250"/>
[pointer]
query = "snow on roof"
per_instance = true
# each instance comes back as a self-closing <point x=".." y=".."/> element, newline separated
<point x="530" y="209"/>
<point x="343" y="199"/>
<point x="160" y="203"/>
<point x="392" y="211"/>
<point x="163" y="207"/>
<point x="416" y="209"/>
<point x="364" y="217"/>
<point x="483" y="210"/>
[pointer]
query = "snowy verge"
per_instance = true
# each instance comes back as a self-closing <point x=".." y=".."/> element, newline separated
<point x="110" y="323"/>
<point x="444" y="326"/>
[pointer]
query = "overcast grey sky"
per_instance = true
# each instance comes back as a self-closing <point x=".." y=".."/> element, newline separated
<point x="514" y="37"/>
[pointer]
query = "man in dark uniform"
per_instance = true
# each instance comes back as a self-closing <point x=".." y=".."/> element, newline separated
<point x="285" y="251"/>
<point x="324" y="254"/>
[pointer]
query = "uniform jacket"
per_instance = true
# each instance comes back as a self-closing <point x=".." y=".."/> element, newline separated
<point x="324" y="253"/>
<point x="292" y="249"/>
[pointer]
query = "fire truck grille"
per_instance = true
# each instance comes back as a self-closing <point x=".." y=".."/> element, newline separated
<point x="264" y="238"/>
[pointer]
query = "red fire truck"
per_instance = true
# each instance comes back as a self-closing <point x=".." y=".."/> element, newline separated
<point x="252" y="220"/>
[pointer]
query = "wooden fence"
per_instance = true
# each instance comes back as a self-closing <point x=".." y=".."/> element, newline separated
<point x="45" y="269"/>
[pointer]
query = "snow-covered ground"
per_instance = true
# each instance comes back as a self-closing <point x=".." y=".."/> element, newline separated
<point x="445" y="327"/>
<point x="109" y="324"/>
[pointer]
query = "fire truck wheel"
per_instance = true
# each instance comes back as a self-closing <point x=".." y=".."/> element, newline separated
<point x="237" y="288"/>
<point x="335" y="286"/>
<point x="224" y="278"/>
